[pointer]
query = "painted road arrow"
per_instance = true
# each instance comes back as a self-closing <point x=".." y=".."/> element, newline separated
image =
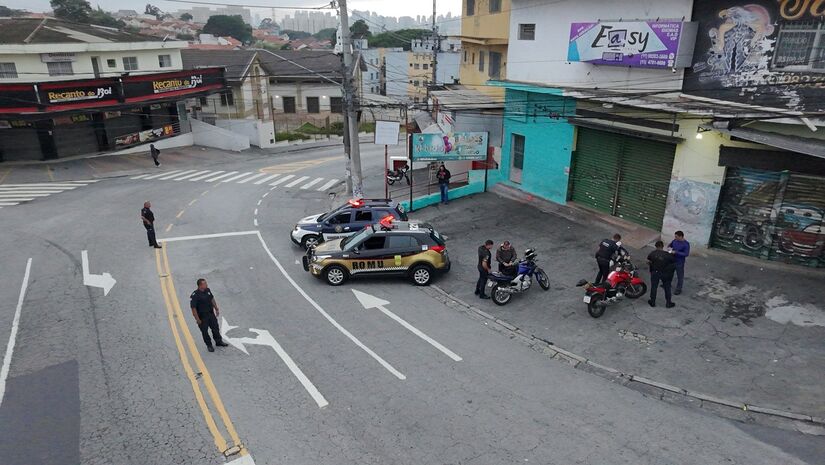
<point x="104" y="281"/>
<point x="264" y="338"/>
<point x="370" y="301"/>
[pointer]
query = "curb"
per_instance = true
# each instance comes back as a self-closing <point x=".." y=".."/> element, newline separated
<point x="580" y="362"/>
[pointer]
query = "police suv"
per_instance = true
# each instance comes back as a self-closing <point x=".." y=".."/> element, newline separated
<point x="414" y="250"/>
<point x="344" y="221"/>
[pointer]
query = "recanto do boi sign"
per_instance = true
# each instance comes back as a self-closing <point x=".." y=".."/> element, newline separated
<point x="451" y="146"/>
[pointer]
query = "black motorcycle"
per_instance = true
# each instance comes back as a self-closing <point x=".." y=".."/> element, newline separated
<point x="397" y="175"/>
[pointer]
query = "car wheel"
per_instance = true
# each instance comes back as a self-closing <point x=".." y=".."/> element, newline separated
<point x="335" y="275"/>
<point x="421" y="275"/>
<point x="310" y="240"/>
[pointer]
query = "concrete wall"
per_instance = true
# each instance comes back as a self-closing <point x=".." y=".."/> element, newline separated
<point x="397" y="74"/>
<point x="182" y="140"/>
<point x="544" y="60"/>
<point x="260" y="133"/>
<point x="482" y="23"/>
<point x="213" y="136"/>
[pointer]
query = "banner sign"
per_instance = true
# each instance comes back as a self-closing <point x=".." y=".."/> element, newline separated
<point x="78" y="94"/>
<point x="386" y="132"/>
<point x="451" y="146"/>
<point x="643" y="44"/>
<point x="144" y="136"/>
<point x="139" y="88"/>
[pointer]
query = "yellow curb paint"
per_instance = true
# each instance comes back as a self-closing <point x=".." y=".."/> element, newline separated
<point x="5" y="175"/>
<point x="49" y="173"/>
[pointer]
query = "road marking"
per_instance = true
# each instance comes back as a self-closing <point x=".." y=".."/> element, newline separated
<point x="208" y="174"/>
<point x="15" y="325"/>
<point x="235" y="178"/>
<point x="192" y="202"/>
<point x="197" y="173"/>
<point x="176" y="175"/>
<point x="46" y="185"/>
<point x="221" y="176"/>
<point x="326" y="315"/>
<point x="18" y="199"/>
<point x="256" y="212"/>
<point x="169" y="227"/>
<point x="9" y="204"/>
<point x="140" y="176"/>
<point x="283" y="179"/>
<point x="271" y="176"/>
<point x="245" y="460"/>
<point x="104" y="280"/>
<point x="204" y="192"/>
<point x="155" y="176"/>
<point x="26" y="193"/>
<point x="297" y="181"/>
<point x="5" y="175"/>
<point x="265" y="194"/>
<point x="312" y="183"/>
<point x="209" y="236"/>
<point x="328" y="185"/>
<point x="254" y="176"/>
<point x="259" y="202"/>
<point x="255" y="221"/>
<point x="180" y="213"/>
<point x="53" y="190"/>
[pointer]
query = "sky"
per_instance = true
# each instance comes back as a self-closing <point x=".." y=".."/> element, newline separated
<point x="382" y="7"/>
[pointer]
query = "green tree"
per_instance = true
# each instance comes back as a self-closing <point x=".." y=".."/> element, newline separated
<point x="399" y="38"/>
<point x="360" y="30"/>
<point x="9" y="12"/>
<point x="103" y="18"/>
<point x="326" y="34"/>
<point x="72" y="10"/>
<point x="294" y="35"/>
<point x="186" y="17"/>
<point x="233" y="26"/>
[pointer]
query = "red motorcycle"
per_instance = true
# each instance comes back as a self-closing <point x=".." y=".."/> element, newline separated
<point x="623" y="281"/>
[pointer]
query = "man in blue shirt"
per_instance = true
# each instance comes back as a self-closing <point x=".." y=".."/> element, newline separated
<point x="681" y="249"/>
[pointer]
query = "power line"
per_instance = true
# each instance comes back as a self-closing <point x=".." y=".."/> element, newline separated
<point x="268" y="7"/>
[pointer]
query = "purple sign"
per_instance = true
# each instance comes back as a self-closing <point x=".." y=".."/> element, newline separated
<point x="643" y="44"/>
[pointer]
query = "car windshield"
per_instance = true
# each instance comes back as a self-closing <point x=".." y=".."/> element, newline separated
<point x="357" y="238"/>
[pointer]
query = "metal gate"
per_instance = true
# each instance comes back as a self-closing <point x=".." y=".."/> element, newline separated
<point x="75" y="138"/>
<point x="622" y="175"/>
<point x="18" y="144"/>
<point x="773" y="215"/>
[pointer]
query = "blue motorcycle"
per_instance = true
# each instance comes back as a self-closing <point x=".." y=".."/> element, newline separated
<point x="501" y="287"/>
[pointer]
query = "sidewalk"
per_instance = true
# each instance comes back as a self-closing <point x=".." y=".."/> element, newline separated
<point x="740" y="331"/>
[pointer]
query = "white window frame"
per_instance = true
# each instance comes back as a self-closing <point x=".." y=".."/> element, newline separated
<point x="54" y="70"/>
<point x="168" y="63"/>
<point x="128" y="67"/>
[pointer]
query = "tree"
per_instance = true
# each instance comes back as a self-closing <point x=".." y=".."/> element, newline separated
<point x="360" y="30"/>
<point x="186" y="17"/>
<point x="9" y="12"/>
<point x="233" y="26"/>
<point x="72" y="10"/>
<point x="326" y="34"/>
<point x="103" y="18"/>
<point x="295" y="35"/>
<point x="399" y="38"/>
<point x="154" y="11"/>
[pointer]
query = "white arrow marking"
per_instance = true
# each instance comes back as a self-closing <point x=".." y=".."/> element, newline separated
<point x="104" y="281"/>
<point x="264" y="338"/>
<point x="369" y="301"/>
<point x="245" y="460"/>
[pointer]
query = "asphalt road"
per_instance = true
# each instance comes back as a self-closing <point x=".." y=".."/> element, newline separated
<point x="124" y="378"/>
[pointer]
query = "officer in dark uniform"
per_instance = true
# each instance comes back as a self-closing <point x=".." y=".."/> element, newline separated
<point x="605" y="253"/>
<point x="484" y="258"/>
<point x="662" y="266"/>
<point x="205" y="310"/>
<point x="149" y="223"/>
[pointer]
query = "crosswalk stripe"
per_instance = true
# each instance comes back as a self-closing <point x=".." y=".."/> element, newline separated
<point x="18" y="199"/>
<point x="161" y="174"/>
<point x="326" y="186"/>
<point x="297" y="181"/>
<point x="27" y="194"/>
<point x="36" y="189"/>
<point x="283" y="179"/>
<point x="208" y="174"/>
<point x="221" y="176"/>
<point x="192" y="175"/>
<point x="8" y="204"/>
<point x="254" y="176"/>
<point x="312" y="183"/>
<point x="47" y="184"/>
<point x="175" y="175"/>
<point x="140" y="177"/>
<point x="271" y="176"/>
<point x="235" y="178"/>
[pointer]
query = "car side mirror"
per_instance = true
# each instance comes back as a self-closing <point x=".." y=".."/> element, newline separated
<point x="356" y="251"/>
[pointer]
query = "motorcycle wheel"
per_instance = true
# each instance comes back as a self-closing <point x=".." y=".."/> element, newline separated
<point x="635" y="291"/>
<point x="596" y="306"/>
<point x="543" y="280"/>
<point x="390" y="181"/>
<point x="499" y="295"/>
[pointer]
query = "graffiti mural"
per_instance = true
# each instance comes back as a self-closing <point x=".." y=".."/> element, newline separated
<point x="761" y="52"/>
<point x="772" y="215"/>
<point x="690" y="208"/>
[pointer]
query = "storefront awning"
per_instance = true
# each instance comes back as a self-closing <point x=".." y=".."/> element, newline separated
<point x="804" y="145"/>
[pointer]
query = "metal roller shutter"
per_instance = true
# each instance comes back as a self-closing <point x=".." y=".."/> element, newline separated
<point x="19" y="144"/>
<point x="596" y="169"/>
<point x="75" y="139"/>
<point x="799" y="232"/>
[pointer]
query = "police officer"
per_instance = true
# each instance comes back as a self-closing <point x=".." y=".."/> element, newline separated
<point x="206" y="311"/>
<point x="484" y="258"/>
<point x="662" y="266"/>
<point x="149" y="223"/>
<point x="605" y="253"/>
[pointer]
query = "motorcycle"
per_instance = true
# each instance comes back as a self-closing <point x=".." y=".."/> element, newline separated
<point x="397" y="175"/>
<point x="501" y="287"/>
<point x="623" y="281"/>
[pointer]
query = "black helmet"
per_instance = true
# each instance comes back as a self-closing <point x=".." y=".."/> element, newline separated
<point x="530" y="254"/>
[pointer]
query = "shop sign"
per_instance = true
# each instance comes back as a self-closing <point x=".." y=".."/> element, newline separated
<point x="172" y="85"/>
<point x="451" y="146"/>
<point x="643" y="44"/>
<point x="144" y="136"/>
<point x="59" y="57"/>
<point x="111" y="114"/>
<point x="79" y="94"/>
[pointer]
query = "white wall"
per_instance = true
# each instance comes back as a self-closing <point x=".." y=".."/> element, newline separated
<point x="544" y="60"/>
<point x="301" y="92"/>
<point x="397" y="74"/>
<point x="260" y="133"/>
<point x="213" y="136"/>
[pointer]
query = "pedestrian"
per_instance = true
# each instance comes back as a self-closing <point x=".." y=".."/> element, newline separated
<point x="443" y="175"/>
<point x="662" y="266"/>
<point x="506" y="257"/>
<point x="149" y="223"/>
<point x="206" y="312"/>
<point x="155" y="154"/>
<point x="680" y="248"/>
<point x="607" y="248"/>
<point x="483" y="268"/>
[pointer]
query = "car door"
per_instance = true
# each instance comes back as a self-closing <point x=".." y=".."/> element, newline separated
<point x="370" y="256"/>
<point x="338" y="225"/>
<point x="401" y="251"/>
<point x="364" y="217"/>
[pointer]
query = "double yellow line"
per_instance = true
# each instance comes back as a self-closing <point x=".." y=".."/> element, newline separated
<point x="202" y="379"/>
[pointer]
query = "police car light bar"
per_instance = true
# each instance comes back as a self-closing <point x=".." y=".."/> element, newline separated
<point x="356" y="202"/>
<point x="386" y="222"/>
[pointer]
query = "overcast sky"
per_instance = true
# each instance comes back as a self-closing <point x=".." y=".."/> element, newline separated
<point x="383" y="7"/>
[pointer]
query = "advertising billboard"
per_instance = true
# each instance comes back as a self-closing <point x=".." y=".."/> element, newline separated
<point x="450" y="146"/>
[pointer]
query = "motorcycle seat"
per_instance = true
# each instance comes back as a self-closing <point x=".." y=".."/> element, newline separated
<point x="501" y="276"/>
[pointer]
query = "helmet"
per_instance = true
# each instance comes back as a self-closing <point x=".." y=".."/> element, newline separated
<point x="530" y="254"/>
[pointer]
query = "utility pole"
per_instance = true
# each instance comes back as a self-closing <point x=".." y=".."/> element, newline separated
<point x="436" y="46"/>
<point x="355" y="184"/>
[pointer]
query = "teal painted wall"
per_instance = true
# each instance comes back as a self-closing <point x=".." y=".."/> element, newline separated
<point x="539" y="114"/>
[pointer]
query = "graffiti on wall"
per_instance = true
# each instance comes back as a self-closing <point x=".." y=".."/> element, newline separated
<point x="761" y="52"/>
<point x="690" y="208"/>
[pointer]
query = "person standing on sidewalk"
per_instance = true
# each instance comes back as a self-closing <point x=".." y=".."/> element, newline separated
<point x="662" y="266"/>
<point x="155" y="154"/>
<point x="506" y="258"/>
<point x="680" y="248"/>
<point x="483" y="267"/>
<point x="443" y="175"/>
<point x="149" y="223"/>
<point x="605" y="253"/>
<point x="206" y="312"/>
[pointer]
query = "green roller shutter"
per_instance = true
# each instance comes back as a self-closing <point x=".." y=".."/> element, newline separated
<point x="622" y="175"/>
